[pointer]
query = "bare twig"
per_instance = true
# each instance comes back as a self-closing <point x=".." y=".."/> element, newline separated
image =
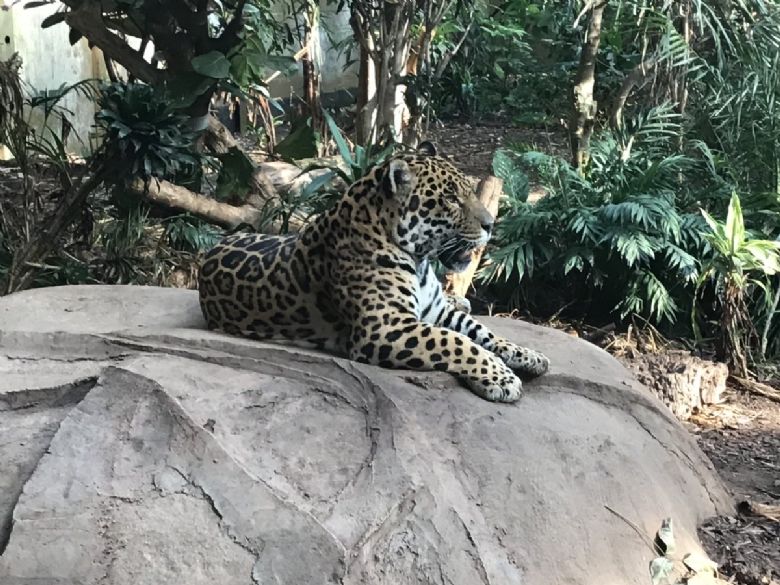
<point x="641" y="534"/>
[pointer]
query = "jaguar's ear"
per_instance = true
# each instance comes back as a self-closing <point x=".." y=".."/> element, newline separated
<point x="427" y="148"/>
<point x="398" y="180"/>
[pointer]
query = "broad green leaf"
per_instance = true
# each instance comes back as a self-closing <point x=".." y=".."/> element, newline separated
<point x="710" y="220"/>
<point x="212" y="64"/>
<point x="183" y="89"/>
<point x="287" y="65"/>
<point x="53" y="19"/>
<point x="344" y="151"/>
<point x="735" y="225"/>
<point x="300" y="143"/>
<point x="317" y="183"/>
<point x="239" y="68"/>
<point x="74" y="36"/>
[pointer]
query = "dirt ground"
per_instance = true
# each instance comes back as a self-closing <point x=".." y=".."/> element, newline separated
<point x="471" y="146"/>
<point x="741" y="436"/>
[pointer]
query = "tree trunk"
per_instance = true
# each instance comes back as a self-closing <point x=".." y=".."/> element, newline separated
<point x="735" y="330"/>
<point x="383" y="35"/>
<point x="489" y="194"/>
<point x="584" y="110"/>
<point x="365" y="116"/>
<point x="311" y="69"/>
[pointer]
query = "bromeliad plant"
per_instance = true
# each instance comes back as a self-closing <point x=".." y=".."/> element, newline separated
<point x="739" y="265"/>
<point x="144" y="135"/>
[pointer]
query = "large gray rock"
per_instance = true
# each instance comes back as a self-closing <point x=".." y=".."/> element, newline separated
<point x="138" y="448"/>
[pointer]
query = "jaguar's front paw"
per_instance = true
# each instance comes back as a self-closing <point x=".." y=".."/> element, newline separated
<point x="507" y="387"/>
<point x="522" y="359"/>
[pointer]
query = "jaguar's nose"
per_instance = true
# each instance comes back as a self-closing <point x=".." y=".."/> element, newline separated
<point x="487" y="225"/>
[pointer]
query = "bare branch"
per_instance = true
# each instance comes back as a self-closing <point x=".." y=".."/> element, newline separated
<point x="636" y="78"/>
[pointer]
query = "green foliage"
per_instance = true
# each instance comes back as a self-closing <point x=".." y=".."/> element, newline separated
<point x="121" y="240"/>
<point x="190" y="234"/>
<point x="212" y="64"/>
<point x="300" y="143"/>
<point x="131" y="248"/>
<point x="258" y="53"/>
<point x="736" y="254"/>
<point x="235" y="174"/>
<point x="516" y="59"/>
<point x="326" y="188"/>
<point x="626" y="233"/>
<point x="361" y="160"/>
<point x="144" y="136"/>
<point x="507" y="168"/>
<point x="739" y="266"/>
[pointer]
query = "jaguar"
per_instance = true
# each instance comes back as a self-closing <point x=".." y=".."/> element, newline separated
<point x="359" y="279"/>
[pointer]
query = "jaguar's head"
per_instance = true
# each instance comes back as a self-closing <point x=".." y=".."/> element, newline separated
<point x="431" y="209"/>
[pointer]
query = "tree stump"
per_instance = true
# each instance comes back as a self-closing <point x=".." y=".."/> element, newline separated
<point x="489" y="194"/>
<point x="682" y="381"/>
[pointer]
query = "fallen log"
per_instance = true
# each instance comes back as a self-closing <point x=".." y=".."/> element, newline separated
<point x="166" y="193"/>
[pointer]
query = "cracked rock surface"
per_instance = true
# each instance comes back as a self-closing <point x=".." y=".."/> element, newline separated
<point x="137" y="447"/>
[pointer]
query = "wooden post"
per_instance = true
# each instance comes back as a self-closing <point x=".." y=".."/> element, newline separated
<point x="489" y="193"/>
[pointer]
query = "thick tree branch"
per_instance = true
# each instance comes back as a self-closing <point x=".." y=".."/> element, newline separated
<point x="90" y="23"/>
<point x="177" y="197"/>
<point x="636" y="78"/>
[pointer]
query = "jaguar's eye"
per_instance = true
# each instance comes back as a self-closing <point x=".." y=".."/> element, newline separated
<point x="452" y="198"/>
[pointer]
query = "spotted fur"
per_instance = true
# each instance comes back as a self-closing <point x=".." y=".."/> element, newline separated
<point x="358" y="280"/>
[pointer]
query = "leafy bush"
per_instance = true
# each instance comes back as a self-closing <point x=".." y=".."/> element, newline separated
<point x="624" y="239"/>
<point x="190" y="234"/>
<point x="323" y="191"/>
<point x="516" y="58"/>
